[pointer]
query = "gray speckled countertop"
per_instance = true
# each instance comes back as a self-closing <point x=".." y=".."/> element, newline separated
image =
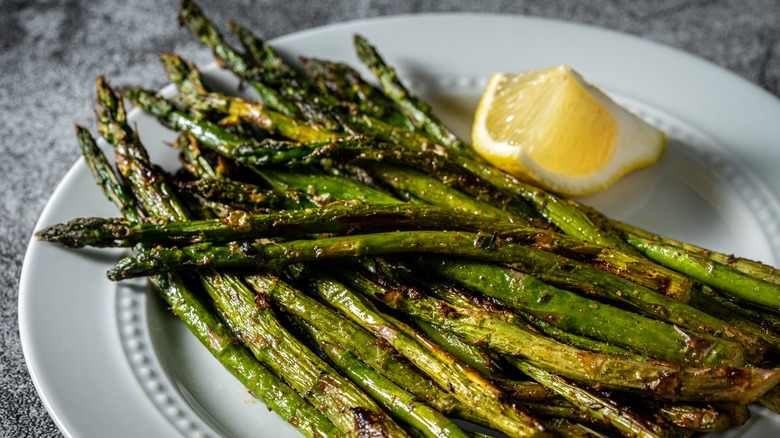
<point x="52" y="51"/>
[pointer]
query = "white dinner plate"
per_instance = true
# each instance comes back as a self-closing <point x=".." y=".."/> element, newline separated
<point x="108" y="360"/>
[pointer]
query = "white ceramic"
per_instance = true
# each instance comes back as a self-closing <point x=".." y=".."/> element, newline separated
<point x="109" y="359"/>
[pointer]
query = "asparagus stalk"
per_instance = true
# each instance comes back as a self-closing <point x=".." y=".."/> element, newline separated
<point x="349" y="335"/>
<point x="400" y="276"/>
<point x="746" y="266"/>
<point x="342" y="218"/>
<point x="261" y="54"/>
<point x="262" y="383"/>
<point x="183" y="73"/>
<point x="468" y="354"/>
<point x="191" y="16"/>
<point x="312" y="101"/>
<point x="197" y="97"/>
<point x="114" y="189"/>
<point x="507" y="285"/>
<point x="745" y="318"/>
<point x="658" y="379"/>
<point x="717" y="275"/>
<point x="434" y="192"/>
<point x="256" y="113"/>
<point x="401" y="404"/>
<point x="595" y="406"/>
<point x="704" y="417"/>
<point x="346" y="83"/>
<point x="466" y="384"/>
<point x="353" y="412"/>
<point x="463" y="298"/>
<point x="464" y="244"/>
<point x="419" y="112"/>
<point x="195" y="162"/>
<point x="696" y="417"/>
<point x="250" y="315"/>
<point x="245" y="196"/>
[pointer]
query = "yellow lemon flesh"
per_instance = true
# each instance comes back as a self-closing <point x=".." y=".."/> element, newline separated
<point x="553" y="129"/>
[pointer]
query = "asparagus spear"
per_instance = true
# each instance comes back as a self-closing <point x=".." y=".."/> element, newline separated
<point x="401" y="275"/>
<point x="183" y="73"/>
<point x="717" y="275"/>
<point x="434" y="192"/>
<point x="191" y="16"/>
<point x="359" y="341"/>
<point x="659" y="379"/>
<point x="207" y="329"/>
<point x="416" y="110"/>
<point x="750" y="267"/>
<point x="342" y="218"/>
<point x="195" y="162"/>
<point x="245" y="196"/>
<point x="256" y="113"/>
<point x="250" y="315"/>
<point x="347" y="84"/>
<point x="401" y="404"/>
<point x="748" y="319"/>
<point x="597" y="407"/>
<point x="506" y="285"/>
<point x="261" y="54"/>
<point x="696" y="417"/>
<point x="458" y="243"/>
<point x="460" y="297"/>
<point x="468" y="354"/>
<point x="467" y="385"/>
<point x="353" y="412"/>
<point x="711" y="301"/>
<point x="312" y="101"/>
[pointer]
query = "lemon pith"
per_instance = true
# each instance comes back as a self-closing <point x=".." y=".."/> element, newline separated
<point x="551" y="127"/>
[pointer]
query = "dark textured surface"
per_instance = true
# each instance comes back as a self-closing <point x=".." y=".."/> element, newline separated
<point x="52" y="51"/>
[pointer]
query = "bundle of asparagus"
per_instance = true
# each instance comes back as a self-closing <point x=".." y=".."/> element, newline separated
<point x="362" y="271"/>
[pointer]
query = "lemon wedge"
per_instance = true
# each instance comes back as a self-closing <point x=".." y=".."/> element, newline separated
<point x="552" y="128"/>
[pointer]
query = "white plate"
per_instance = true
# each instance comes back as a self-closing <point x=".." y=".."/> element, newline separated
<point x="107" y="361"/>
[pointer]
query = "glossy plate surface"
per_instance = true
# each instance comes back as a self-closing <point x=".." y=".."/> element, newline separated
<point x="110" y="360"/>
